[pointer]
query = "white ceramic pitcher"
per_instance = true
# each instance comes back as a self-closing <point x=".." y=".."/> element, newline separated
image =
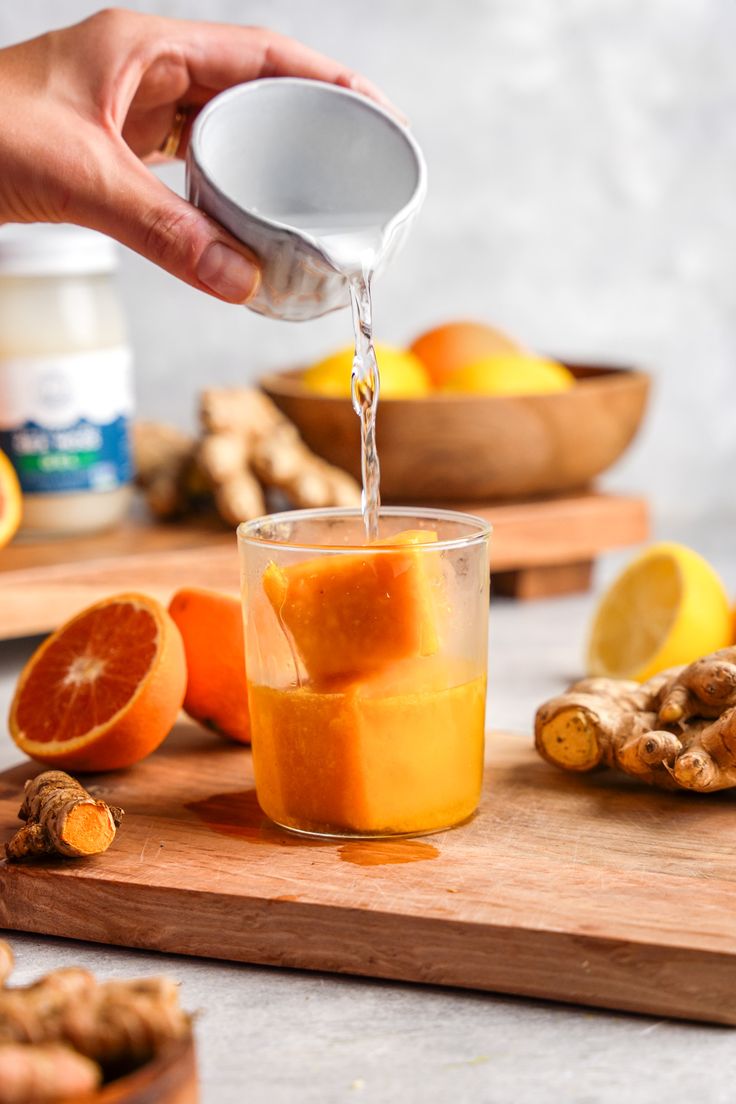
<point x="273" y="158"/>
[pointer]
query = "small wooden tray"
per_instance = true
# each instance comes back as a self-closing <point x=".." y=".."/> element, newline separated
<point x="538" y="548"/>
<point x="592" y="890"/>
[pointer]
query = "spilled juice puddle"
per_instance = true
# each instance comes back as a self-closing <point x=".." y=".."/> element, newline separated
<point x="239" y="815"/>
<point x="386" y="852"/>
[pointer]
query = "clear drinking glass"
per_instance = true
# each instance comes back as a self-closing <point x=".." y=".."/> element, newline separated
<point x="366" y="668"/>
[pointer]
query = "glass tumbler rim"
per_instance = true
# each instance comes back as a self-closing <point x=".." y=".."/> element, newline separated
<point x="247" y="531"/>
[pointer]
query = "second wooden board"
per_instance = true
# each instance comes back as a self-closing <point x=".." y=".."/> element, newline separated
<point x="580" y="889"/>
<point x="535" y="545"/>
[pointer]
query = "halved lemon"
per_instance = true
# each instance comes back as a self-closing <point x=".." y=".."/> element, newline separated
<point x="666" y="608"/>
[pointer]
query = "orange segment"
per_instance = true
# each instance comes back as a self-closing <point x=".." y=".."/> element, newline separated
<point x="354" y="613"/>
<point x="211" y="625"/>
<point x="104" y="690"/>
<point x="10" y="501"/>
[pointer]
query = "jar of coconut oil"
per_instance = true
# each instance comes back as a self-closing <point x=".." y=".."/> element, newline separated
<point x="65" y="378"/>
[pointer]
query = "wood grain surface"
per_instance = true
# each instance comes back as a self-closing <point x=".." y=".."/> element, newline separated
<point x="42" y="583"/>
<point x="590" y="890"/>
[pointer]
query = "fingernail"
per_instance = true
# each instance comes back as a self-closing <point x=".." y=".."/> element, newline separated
<point x="228" y="273"/>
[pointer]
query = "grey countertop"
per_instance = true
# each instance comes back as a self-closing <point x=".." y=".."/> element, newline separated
<point x="277" y="1036"/>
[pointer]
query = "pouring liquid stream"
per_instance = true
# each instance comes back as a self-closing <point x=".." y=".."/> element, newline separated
<point x="365" y="387"/>
<point x="355" y="252"/>
<point x="354" y="248"/>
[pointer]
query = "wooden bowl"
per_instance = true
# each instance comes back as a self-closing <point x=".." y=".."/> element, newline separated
<point x="170" y="1078"/>
<point x="465" y="447"/>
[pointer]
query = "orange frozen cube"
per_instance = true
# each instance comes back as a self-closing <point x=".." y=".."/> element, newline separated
<point x="360" y="760"/>
<point x="350" y="614"/>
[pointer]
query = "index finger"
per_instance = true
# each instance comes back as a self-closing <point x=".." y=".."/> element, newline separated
<point x="219" y="56"/>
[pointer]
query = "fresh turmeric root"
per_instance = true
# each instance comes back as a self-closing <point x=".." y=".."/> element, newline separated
<point x="110" y="1022"/>
<point x="59" y="1034"/>
<point x="676" y="731"/>
<point x="42" y="1074"/>
<point x="7" y="962"/>
<point x="62" y="819"/>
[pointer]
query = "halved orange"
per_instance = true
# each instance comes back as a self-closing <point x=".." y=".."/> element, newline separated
<point x="10" y="501"/>
<point x="104" y="690"/>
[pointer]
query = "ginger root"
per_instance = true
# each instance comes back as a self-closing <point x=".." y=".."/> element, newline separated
<point x="163" y="460"/>
<point x="59" y="1034"/>
<point x="246" y="449"/>
<point x="62" y="819"/>
<point x="676" y="731"/>
<point x="247" y="441"/>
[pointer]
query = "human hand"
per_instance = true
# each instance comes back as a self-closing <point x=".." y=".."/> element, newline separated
<point x="84" y="106"/>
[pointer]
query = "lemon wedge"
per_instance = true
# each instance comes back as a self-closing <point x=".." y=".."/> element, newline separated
<point x="666" y="608"/>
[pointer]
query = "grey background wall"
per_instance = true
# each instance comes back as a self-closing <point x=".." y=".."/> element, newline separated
<point x="582" y="160"/>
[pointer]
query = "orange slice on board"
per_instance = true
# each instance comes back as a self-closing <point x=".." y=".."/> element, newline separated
<point x="104" y="690"/>
<point x="10" y="501"/>
<point x="211" y="625"/>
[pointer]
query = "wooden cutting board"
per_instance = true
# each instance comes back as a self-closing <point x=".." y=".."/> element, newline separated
<point x="538" y="548"/>
<point x="586" y="890"/>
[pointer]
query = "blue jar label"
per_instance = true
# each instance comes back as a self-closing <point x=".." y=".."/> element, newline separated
<point x="64" y="421"/>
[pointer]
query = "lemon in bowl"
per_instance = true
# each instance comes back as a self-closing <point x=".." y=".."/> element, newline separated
<point x="510" y="373"/>
<point x="454" y="345"/>
<point x="403" y="376"/>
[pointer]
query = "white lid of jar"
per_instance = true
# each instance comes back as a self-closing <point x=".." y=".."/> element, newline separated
<point x="54" y="249"/>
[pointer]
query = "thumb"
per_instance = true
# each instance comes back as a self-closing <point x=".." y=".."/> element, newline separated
<point x="141" y="212"/>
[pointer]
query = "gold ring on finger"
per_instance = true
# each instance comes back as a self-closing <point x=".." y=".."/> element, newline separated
<point x="170" y="145"/>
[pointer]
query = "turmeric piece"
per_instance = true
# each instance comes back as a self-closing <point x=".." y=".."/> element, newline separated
<point x="62" y="819"/>
<point x="33" y="1013"/>
<point x="61" y="1033"/>
<point x="107" y="1021"/>
<point x="113" y="1023"/>
<point x="676" y="731"/>
<point x="45" y="1074"/>
<point x="126" y="1022"/>
<point x="7" y="962"/>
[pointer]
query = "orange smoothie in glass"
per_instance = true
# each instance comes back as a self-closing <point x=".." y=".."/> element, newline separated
<point x="367" y="674"/>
